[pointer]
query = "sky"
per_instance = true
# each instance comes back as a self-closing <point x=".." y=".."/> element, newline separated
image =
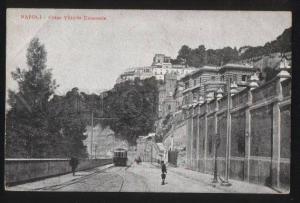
<point x="91" y="53"/>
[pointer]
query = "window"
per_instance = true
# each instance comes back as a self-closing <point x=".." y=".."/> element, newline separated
<point x="186" y="85"/>
<point x="169" y="107"/>
<point x="235" y="78"/>
<point x="195" y="97"/>
<point x="213" y="78"/>
<point x="244" y="77"/>
<point x="195" y="82"/>
<point x="222" y="78"/>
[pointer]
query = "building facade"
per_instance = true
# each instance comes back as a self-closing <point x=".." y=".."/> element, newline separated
<point x="161" y="65"/>
<point x="252" y="126"/>
<point x="204" y="83"/>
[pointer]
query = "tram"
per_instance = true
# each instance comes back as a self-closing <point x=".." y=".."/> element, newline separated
<point x="120" y="157"/>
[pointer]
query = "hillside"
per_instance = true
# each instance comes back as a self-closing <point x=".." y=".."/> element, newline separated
<point x="201" y="56"/>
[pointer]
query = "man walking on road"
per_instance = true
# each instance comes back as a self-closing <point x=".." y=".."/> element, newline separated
<point x="163" y="172"/>
<point x="73" y="164"/>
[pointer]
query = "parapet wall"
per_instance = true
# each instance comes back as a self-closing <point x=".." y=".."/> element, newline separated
<point x="24" y="170"/>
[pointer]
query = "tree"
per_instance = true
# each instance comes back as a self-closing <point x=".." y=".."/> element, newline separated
<point x="37" y="127"/>
<point x="184" y="53"/>
<point x="135" y="106"/>
<point x="27" y="119"/>
<point x="269" y="73"/>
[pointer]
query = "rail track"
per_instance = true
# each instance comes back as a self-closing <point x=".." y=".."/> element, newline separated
<point x="71" y="182"/>
<point x="118" y="171"/>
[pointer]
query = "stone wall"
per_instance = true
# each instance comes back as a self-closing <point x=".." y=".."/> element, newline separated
<point x="178" y="136"/>
<point x="258" y="145"/>
<point x="148" y="151"/>
<point x="23" y="170"/>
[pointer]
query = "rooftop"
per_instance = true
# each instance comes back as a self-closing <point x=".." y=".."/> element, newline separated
<point x="235" y="65"/>
<point x="201" y="69"/>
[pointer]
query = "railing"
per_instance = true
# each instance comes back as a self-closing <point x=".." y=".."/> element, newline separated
<point x="211" y="106"/>
<point x="223" y="103"/>
<point x="203" y="108"/>
<point x="240" y="98"/>
<point x="265" y="91"/>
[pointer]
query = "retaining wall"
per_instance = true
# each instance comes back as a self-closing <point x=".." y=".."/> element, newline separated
<point x="259" y="135"/>
<point x="24" y="170"/>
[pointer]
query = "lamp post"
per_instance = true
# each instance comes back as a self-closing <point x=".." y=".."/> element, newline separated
<point x="217" y="143"/>
<point x="226" y="182"/>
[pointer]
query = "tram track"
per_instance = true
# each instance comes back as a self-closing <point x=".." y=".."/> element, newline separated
<point x="81" y="180"/>
<point x="122" y="176"/>
<point x="71" y="182"/>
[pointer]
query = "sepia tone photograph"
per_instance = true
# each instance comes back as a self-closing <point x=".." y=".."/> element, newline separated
<point x="164" y="101"/>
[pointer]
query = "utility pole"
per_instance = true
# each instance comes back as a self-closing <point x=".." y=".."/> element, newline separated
<point x="92" y="134"/>
<point x="151" y="151"/>
<point x="96" y="150"/>
<point x="226" y="182"/>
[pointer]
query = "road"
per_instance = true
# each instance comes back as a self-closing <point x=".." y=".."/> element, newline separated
<point x="144" y="177"/>
<point x="113" y="179"/>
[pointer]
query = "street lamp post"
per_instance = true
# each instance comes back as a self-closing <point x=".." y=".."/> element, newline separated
<point x="217" y="143"/>
<point x="226" y="182"/>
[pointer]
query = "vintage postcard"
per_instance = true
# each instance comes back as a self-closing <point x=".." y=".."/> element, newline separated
<point x="178" y="101"/>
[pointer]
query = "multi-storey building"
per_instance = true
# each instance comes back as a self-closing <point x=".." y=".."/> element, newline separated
<point x="167" y="103"/>
<point x="208" y="79"/>
<point x="178" y="96"/>
<point x="128" y="74"/>
<point x="161" y="65"/>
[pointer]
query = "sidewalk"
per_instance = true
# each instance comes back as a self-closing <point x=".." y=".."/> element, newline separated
<point x="57" y="181"/>
<point x="236" y="187"/>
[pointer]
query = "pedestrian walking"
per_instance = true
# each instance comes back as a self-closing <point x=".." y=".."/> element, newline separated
<point x="163" y="172"/>
<point x="73" y="163"/>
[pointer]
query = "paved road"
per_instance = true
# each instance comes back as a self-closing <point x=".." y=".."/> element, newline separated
<point x="144" y="177"/>
<point x="113" y="179"/>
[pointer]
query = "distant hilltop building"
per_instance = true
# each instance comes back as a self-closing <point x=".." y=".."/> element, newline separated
<point x="161" y="65"/>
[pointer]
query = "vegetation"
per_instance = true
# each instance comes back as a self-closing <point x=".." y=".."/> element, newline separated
<point x="134" y="104"/>
<point x="282" y="44"/>
<point x="201" y="56"/>
<point x="35" y="127"/>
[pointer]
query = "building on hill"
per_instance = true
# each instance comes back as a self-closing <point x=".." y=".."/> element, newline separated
<point x="208" y="79"/>
<point x="161" y="65"/>
<point x="167" y="103"/>
<point x="178" y="96"/>
<point x="128" y="74"/>
<point x="162" y="60"/>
